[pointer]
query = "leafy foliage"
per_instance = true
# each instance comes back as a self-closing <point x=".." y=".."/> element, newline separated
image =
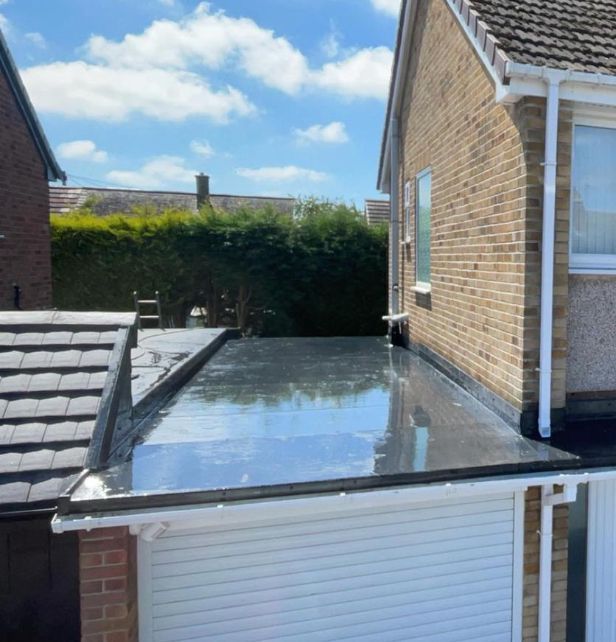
<point x="321" y="272"/>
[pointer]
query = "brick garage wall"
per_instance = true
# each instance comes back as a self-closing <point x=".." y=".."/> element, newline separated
<point x="532" y="523"/>
<point x="25" y="252"/>
<point x="108" y="585"/>
<point x="482" y="314"/>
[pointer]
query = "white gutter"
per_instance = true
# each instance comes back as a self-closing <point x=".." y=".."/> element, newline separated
<point x="548" y="501"/>
<point x="237" y="512"/>
<point x="394" y="226"/>
<point x="553" y="80"/>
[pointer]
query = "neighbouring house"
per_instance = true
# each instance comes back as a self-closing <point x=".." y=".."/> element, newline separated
<point x="113" y="200"/>
<point x="27" y="164"/>
<point x="499" y="155"/>
<point x="377" y="212"/>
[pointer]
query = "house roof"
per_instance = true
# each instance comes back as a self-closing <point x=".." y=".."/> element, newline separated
<point x="8" y="67"/>
<point x="60" y="399"/>
<point x="573" y="36"/>
<point x="111" y="200"/>
<point x="376" y="212"/>
<point x="576" y="35"/>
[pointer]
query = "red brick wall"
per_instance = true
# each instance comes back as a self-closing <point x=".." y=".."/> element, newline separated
<point x="25" y="253"/>
<point x="108" y="585"/>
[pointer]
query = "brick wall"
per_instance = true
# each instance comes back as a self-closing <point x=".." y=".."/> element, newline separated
<point x="24" y="211"/>
<point x="532" y="523"/>
<point x="108" y="585"/>
<point x="482" y="314"/>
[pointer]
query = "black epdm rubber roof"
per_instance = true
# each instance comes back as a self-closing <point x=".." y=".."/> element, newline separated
<point x="579" y="35"/>
<point x="58" y="373"/>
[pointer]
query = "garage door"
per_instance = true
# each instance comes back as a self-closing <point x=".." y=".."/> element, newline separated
<point x="441" y="572"/>
<point x="601" y="562"/>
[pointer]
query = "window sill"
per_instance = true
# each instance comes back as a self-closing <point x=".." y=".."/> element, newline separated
<point x="421" y="289"/>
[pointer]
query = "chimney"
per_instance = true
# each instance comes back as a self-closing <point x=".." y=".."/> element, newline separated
<point x="203" y="189"/>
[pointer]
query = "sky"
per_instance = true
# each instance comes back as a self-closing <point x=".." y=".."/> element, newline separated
<point x="268" y="97"/>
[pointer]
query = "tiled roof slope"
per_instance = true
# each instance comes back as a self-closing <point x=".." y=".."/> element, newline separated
<point x="59" y="393"/>
<point x="377" y="212"/>
<point x="110" y="201"/>
<point x="579" y="35"/>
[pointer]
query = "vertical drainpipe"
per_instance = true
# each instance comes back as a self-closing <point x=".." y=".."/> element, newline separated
<point x="547" y="254"/>
<point x="394" y="224"/>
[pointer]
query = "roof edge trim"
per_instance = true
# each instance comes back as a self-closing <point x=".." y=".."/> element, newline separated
<point x="7" y="64"/>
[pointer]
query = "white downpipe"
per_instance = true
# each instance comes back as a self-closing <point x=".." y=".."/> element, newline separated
<point x="547" y="255"/>
<point x="548" y="501"/>
<point x="394" y="224"/>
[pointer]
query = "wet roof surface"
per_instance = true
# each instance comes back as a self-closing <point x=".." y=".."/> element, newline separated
<point x="276" y="412"/>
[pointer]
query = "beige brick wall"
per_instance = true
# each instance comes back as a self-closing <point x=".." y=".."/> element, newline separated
<point x="487" y="183"/>
<point x="532" y="522"/>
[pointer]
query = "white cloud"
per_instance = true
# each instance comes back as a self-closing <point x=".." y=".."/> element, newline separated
<point x="85" y="150"/>
<point x="80" y="90"/>
<point x="157" y="173"/>
<point x="4" y="23"/>
<point x="213" y="40"/>
<point x="365" y="74"/>
<point x="202" y="148"/>
<point x="167" y="3"/>
<point x="333" y="133"/>
<point x="389" y="7"/>
<point x="288" y="173"/>
<point x="36" y="39"/>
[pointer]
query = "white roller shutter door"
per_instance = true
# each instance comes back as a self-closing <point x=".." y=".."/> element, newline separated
<point x="437" y="572"/>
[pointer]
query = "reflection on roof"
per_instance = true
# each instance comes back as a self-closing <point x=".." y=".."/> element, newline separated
<point x="273" y="415"/>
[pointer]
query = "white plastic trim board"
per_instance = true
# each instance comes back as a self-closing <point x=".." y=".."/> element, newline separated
<point x="440" y="570"/>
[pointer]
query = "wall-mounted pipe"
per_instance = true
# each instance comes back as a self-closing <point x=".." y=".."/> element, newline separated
<point x="547" y="253"/>
<point x="394" y="225"/>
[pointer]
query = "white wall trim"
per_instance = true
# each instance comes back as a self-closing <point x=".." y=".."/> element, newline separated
<point x="144" y="589"/>
<point x="517" y="607"/>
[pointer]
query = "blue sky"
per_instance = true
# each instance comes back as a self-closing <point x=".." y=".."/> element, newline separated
<point x="268" y="97"/>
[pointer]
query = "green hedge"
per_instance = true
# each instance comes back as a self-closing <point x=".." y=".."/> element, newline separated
<point x="321" y="272"/>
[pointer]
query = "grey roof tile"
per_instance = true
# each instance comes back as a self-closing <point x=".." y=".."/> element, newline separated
<point x="44" y="382"/>
<point x="109" y="337"/>
<point x="84" y="430"/>
<point x="21" y="409"/>
<point x="83" y="406"/>
<point x="47" y="489"/>
<point x="6" y="434"/>
<point x="30" y="433"/>
<point x="29" y="339"/>
<point x="52" y="407"/>
<point x="9" y="462"/>
<point x="14" y="492"/>
<point x="66" y="359"/>
<point x="11" y="359"/>
<point x="36" y="360"/>
<point x="97" y="380"/>
<point x="3" y="404"/>
<point x="95" y="358"/>
<point x="14" y="383"/>
<point x="37" y="460"/>
<point x="61" y="431"/>
<point x="86" y="338"/>
<point x="69" y="458"/>
<point x="75" y="381"/>
<point x="7" y="338"/>
<point x="57" y="338"/>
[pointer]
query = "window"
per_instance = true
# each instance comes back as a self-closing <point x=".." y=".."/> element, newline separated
<point x="423" y="210"/>
<point x="407" y="212"/>
<point x="593" y="198"/>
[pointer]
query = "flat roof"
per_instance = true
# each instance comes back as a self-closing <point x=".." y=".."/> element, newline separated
<point x="275" y="417"/>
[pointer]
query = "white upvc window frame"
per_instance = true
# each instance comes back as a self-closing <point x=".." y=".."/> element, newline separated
<point x="422" y="286"/>
<point x="589" y="263"/>
<point x="407" y="213"/>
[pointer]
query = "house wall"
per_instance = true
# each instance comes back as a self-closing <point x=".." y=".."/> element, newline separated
<point x="474" y="316"/>
<point x="532" y="526"/>
<point x="480" y="321"/>
<point x="108" y="585"/>
<point x="25" y="251"/>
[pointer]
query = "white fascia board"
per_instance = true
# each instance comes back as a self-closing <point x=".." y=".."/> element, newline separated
<point x="250" y="511"/>
<point x="576" y="86"/>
